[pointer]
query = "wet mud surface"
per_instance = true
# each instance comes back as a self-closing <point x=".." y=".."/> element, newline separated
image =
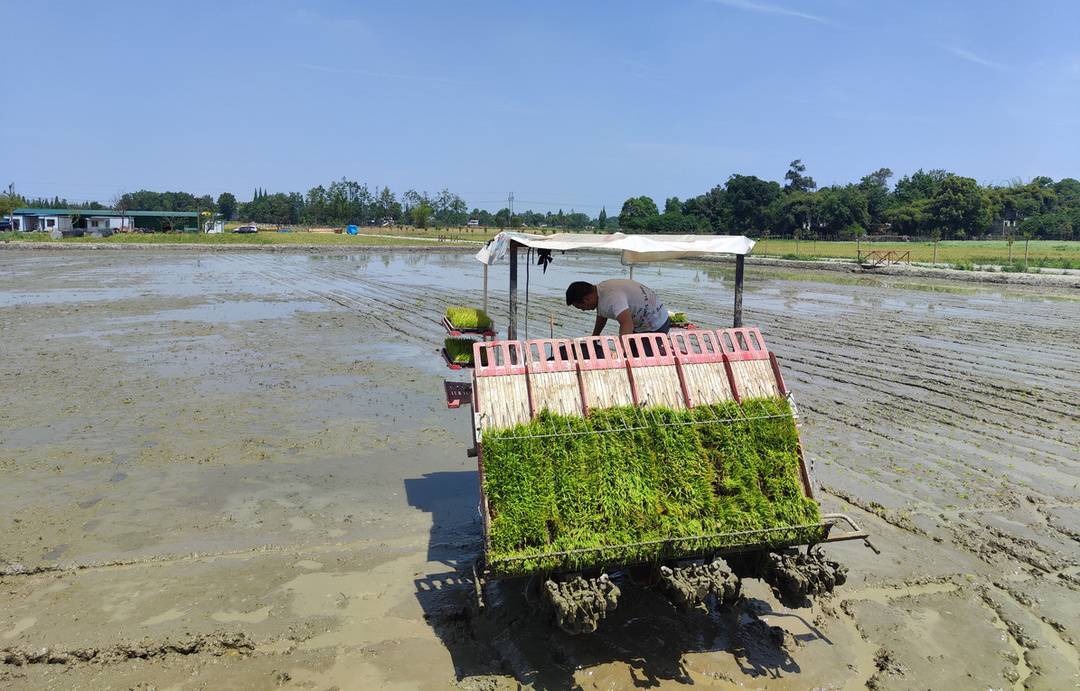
<point x="236" y="471"/>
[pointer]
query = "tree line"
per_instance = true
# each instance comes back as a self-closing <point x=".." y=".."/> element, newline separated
<point x="934" y="203"/>
<point x="342" y="202"/>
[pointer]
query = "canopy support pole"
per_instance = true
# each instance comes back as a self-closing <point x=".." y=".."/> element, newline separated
<point x="631" y="272"/>
<point x="485" y="288"/>
<point x="740" y="259"/>
<point x="511" y="328"/>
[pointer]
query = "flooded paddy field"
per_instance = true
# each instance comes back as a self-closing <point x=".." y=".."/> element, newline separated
<point x="237" y="471"/>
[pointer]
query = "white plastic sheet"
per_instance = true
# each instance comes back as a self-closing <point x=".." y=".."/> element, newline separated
<point x="635" y="249"/>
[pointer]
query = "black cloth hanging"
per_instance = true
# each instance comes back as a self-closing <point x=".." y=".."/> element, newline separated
<point x="543" y="258"/>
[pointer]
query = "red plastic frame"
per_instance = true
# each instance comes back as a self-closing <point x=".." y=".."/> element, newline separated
<point x="496" y="358"/>
<point x="695" y="347"/>
<point x="660" y="344"/>
<point x="563" y="356"/>
<point x="586" y="348"/>
<point x="743" y="343"/>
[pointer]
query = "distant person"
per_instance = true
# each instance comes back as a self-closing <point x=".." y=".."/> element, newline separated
<point x="633" y="305"/>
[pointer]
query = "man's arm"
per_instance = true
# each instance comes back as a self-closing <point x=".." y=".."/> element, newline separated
<point x="626" y="323"/>
<point x="599" y="326"/>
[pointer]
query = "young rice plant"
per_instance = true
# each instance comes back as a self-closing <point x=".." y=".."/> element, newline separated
<point x="617" y="482"/>
<point x="468" y="318"/>
<point x="459" y="350"/>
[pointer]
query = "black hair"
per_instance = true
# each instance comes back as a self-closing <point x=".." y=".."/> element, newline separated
<point x="577" y="291"/>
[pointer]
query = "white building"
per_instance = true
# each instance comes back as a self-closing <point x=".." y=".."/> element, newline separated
<point x="41" y="219"/>
<point x="79" y="221"/>
<point x="116" y="223"/>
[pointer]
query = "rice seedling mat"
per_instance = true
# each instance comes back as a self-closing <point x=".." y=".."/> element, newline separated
<point x="458" y="352"/>
<point x="461" y="321"/>
<point x="629" y="485"/>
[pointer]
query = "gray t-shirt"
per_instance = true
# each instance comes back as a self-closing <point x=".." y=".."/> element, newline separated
<point x="619" y="294"/>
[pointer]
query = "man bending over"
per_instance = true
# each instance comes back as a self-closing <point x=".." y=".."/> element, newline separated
<point x="633" y="305"/>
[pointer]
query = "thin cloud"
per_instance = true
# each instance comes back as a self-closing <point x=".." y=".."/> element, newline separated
<point x="377" y="75"/>
<point x="761" y="7"/>
<point x="968" y="56"/>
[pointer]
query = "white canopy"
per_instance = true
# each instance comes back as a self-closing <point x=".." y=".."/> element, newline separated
<point x="636" y="249"/>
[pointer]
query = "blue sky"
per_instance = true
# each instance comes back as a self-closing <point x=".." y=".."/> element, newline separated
<point x="568" y="104"/>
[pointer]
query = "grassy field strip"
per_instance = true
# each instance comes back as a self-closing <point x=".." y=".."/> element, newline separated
<point x="948" y="252"/>
<point x="1048" y="253"/>
<point x="417" y="237"/>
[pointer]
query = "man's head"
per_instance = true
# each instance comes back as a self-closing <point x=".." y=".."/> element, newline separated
<point x="581" y="295"/>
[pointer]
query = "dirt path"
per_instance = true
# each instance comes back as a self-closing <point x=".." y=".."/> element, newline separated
<point x="230" y="470"/>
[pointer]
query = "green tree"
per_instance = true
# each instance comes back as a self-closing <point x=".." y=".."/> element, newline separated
<point x="712" y="207"/>
<point x="795" y="210"/>
<point x="420" y="214"/>
<point x="8" y="204"/>
<point x="1067" y="191"/>
<point x="636" y="213"/>
<point x="1028" y="229"/>
<point x="601" y="220"/>
<point x="796" y="181"/>
<point x="960" y="206"/>
<point x="226" y="204"/>
<point x="842" y="208"/>
<point x="919" y="185"/>
<point x="912" y="218"/>
<point x="875" y="187"/>
<point x="387" y="205"/>
<point x="748" y="200"/>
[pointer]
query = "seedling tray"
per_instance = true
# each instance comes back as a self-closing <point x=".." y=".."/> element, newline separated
<point x="458" y="393"/>
<point x="453" y="330"/>
<point x="454" y="365"/>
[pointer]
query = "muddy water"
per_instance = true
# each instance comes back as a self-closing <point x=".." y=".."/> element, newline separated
<point x="235" y="470"/>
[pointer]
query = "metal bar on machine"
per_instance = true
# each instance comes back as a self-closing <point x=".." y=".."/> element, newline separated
<point x="666" y="541"/>
<point x="511" y="328"/>
<point x="485" y="288"/>
<point x="740" y="260"/>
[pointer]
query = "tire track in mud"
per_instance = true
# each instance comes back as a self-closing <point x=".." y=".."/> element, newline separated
<point x="325" y="290"/>
<point x="370" y="297"/>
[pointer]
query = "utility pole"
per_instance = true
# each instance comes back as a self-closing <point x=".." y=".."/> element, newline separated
<point x="510" y="205"/>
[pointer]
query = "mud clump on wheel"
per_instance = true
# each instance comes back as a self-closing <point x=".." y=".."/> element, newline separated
<point x="794" y="577"/>
<point x="689" y="586"/>
<point x="579" y="603"/>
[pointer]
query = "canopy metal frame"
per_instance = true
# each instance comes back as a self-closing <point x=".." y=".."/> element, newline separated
<point x="511" y="329"/>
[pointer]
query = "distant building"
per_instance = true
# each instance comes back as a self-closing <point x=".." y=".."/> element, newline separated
<point x="79" y="221"/>
<point x="473" y="222"/>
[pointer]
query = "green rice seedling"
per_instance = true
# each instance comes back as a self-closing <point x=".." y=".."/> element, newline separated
<point x="468" y="318"/>
<point x="459" y="350"/>
<point x="678" y="318"/>
<point x="629" y="476"/>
